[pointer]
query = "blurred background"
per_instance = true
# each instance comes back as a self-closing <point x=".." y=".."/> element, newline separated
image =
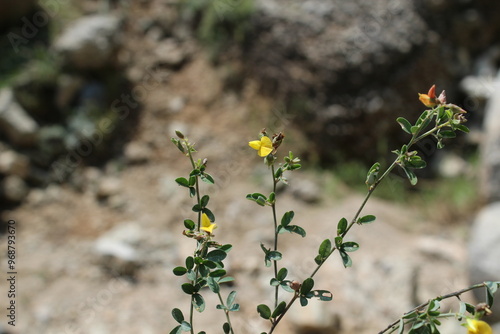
<point x="91" y="92"/>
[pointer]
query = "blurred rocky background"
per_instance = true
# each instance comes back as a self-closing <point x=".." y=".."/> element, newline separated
<point x="92" y="91"/>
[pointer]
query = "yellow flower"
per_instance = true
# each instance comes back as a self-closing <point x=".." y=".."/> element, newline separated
<point x="264" y="146"/>
<point x="478" y="327"/>
<point x="206" y="224"/>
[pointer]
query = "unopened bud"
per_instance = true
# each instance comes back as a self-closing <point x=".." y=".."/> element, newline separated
<point x="179" y="134"/>
<point x="295" y="285"/>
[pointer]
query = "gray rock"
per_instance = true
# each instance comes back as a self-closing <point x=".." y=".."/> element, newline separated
<point x="490" y="150"/>
<point x="13" y="188"/>
<point x="12" y="163"/>
<point x="169" y="52"/>
<point x="315" y="54"/>
<point x="136" y="153"/>
<point x="109" y="186"/>
<point x="117" y="249"/>
<point x="17" y="125"/>
<point x="305" y="190"/>
<point x="484" y="251"/>
<point x="90" y="43"/>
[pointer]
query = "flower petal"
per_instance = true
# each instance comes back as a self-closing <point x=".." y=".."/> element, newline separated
<point x="255" y="144"/>
<point x="266" y="146"/>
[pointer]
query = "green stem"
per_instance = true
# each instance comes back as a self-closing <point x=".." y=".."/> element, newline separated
<point x="290" y="303"/>
<point x="275" y="263"/>
<point x="226" y="311"/>
<point x="423" y="305"/>
<point x="412" y="141"/>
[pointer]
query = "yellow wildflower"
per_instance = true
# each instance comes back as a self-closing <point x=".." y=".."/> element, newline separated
<point x="264" y="146"/>
<point x="478" y="327"/>
<point x="206" y="224"/>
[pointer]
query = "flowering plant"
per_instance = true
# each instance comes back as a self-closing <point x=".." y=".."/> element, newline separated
<point x="205" y="268"/>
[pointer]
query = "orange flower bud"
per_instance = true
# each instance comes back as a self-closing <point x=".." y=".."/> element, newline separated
<point x="429" y="99"/>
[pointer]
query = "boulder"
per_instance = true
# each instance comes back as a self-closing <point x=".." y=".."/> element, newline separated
<point x="90" y="43"/>
<point x="347" y="69"/>
<point x="484" y="252"/>
<point x="19" y="128"/>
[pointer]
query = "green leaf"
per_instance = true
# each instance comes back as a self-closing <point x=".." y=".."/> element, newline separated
<point x="192" y="191"/>
<point x="341" y="226"/>
<point x="346" y="259"/>
<point x="257" y="198"/>
<point x="226" y="328"/>
<point x="188" y="288"/>
<point x="218" y="273"/>
<point x="411" y="175"/>
<point x="491" y="288"/>
<point x="177" y="315"/>
<point x="325" y="248"/>
<point x="296" y="229"/>
<point x="414" y="129"/>
<point x="264" y="311"/>
<point x="272" y="198"/>
<point x="371" y="176"/>
<point x="216" y="255"/>
<point x="192" y="180"/>
<point x="226" y="248"/>
<point x="189" y="262"/>
<point x="182" y="181"/>
<point x="213" y="285"/>
<point x="323" y="295"/>
<point x="179" y="271"/>
<point x="350" y="246"/>
<point x="207" y="178"/>
<point x="278" y="310"/>
<point x="274" y="255"/>
<point x="176" y="330"/>
<point x="306" y="286"/>
<point x="367" y="219"/>
<point x="282" y="274"/>
<point x="416" y="162"/>
<point x="287" y="218"/>
<point x="274" y="282"/>
<point x="401" y="326"/>
<point x="338" y="242"/>
<point x="203" y="270"/>
<point x="405" y="125"/>
<point x="462" y="128"/>
<point x="189" y="224"/>
<point x="226" y="279"/>
<point x="195" y="172"/>
<point x="303" y="301"/>
<point x="204" y="200"/>
<point x="198" y="302"/>
<point x="234" y="308"/>
<point x="209" y="214"/>
<point x="196" y="208"/>
<point x="447" y="134"/>
<point x="185" y="326"/>
<point x="230" y="298"/>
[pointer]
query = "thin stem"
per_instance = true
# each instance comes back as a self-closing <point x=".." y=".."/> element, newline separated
<point x="196" y="184"/>
<point x="275" y="263"/>
<point x="290" y="303"/>
<point x="423" y="305"/>
<point x="414" y="139"/>
<point x="226" y="311"/>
